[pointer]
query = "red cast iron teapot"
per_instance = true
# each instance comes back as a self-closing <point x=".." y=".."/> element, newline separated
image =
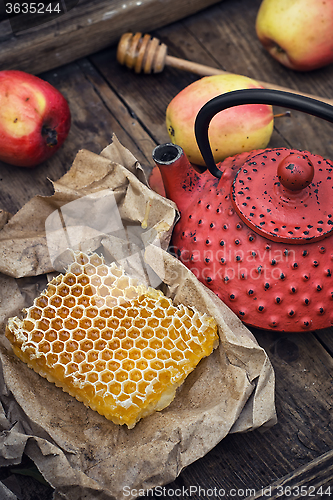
<point x="257" y="229"/>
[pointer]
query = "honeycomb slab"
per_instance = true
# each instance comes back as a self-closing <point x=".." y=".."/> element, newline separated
<point x="117" y="346"/>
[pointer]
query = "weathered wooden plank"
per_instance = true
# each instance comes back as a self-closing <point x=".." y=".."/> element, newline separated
<point x="146" y="95"/>
<point x="106" y="98"/>
<point x="87" y="28"/>
<point x="149" y="95"/>
<point x="96" y="114"/>
<point x="255" y="460"/>
<point x="304" y="391"/>
<point x="326" y="338"/>
<point x="314" y="480"/>
<point x="237" y="50"/>
<point x="132" y="130"/>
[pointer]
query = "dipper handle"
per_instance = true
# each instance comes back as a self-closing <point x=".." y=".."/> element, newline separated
<point x="146" y="54"/>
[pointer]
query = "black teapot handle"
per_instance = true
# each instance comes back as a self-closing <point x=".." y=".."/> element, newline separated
<point x="251" y="96"/>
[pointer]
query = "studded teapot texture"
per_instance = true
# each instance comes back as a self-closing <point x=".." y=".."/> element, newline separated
<point x="266" y="253"/>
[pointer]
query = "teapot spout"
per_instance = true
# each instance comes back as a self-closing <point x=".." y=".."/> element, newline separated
<point x="180" y="179"/>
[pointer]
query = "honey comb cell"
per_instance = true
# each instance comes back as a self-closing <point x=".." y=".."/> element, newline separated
<point x="117" y="346"/>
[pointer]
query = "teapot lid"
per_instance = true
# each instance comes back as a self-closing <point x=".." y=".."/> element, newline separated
<point x="284" y="195"/>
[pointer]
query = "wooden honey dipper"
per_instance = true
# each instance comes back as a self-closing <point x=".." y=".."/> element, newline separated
<point x="146" y="54"/>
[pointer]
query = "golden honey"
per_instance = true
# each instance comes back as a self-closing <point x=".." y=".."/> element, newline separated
<point x="119" y="347"/>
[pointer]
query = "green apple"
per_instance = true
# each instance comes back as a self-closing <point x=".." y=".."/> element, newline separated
<point x="231" y="131"/>
<point x="298" y="33"/>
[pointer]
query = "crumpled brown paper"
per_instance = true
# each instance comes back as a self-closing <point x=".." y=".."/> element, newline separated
<point x="79" y="452"/>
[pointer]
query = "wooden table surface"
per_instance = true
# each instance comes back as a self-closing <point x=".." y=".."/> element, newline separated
<point x="106" y="98"/>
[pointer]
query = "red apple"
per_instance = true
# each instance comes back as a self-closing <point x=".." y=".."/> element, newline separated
<point x="34" y="119"/>
<point x="298" y="33"/>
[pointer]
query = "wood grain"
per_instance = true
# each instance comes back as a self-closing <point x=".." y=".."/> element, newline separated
<point x="325" y="337"/>
<point x="301" y="362"/>
<point x="87" y="28"/>
<point x="107" y="98"/>
<point x="303" y="433"/>
<point x="313" y="480"/>
<point x="97" y="113"/>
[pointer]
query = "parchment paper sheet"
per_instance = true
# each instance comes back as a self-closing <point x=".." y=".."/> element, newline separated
<point x="80" y="453"/>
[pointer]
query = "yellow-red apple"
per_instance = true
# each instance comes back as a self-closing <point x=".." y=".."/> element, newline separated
<point x="231" y="131"/>
<point x="298" y="33"/>
<point x="34" y="119"/>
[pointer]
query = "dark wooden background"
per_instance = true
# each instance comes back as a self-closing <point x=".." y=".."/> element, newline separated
<point x="106" y="98"/>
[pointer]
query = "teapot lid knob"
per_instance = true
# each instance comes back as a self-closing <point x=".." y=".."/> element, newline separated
<point x="285" y="195"/>
<point x="295" y="172"/>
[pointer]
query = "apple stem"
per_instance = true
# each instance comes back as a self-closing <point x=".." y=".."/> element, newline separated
<point x="281" y="115"/>
<point x="51" y="136"/>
